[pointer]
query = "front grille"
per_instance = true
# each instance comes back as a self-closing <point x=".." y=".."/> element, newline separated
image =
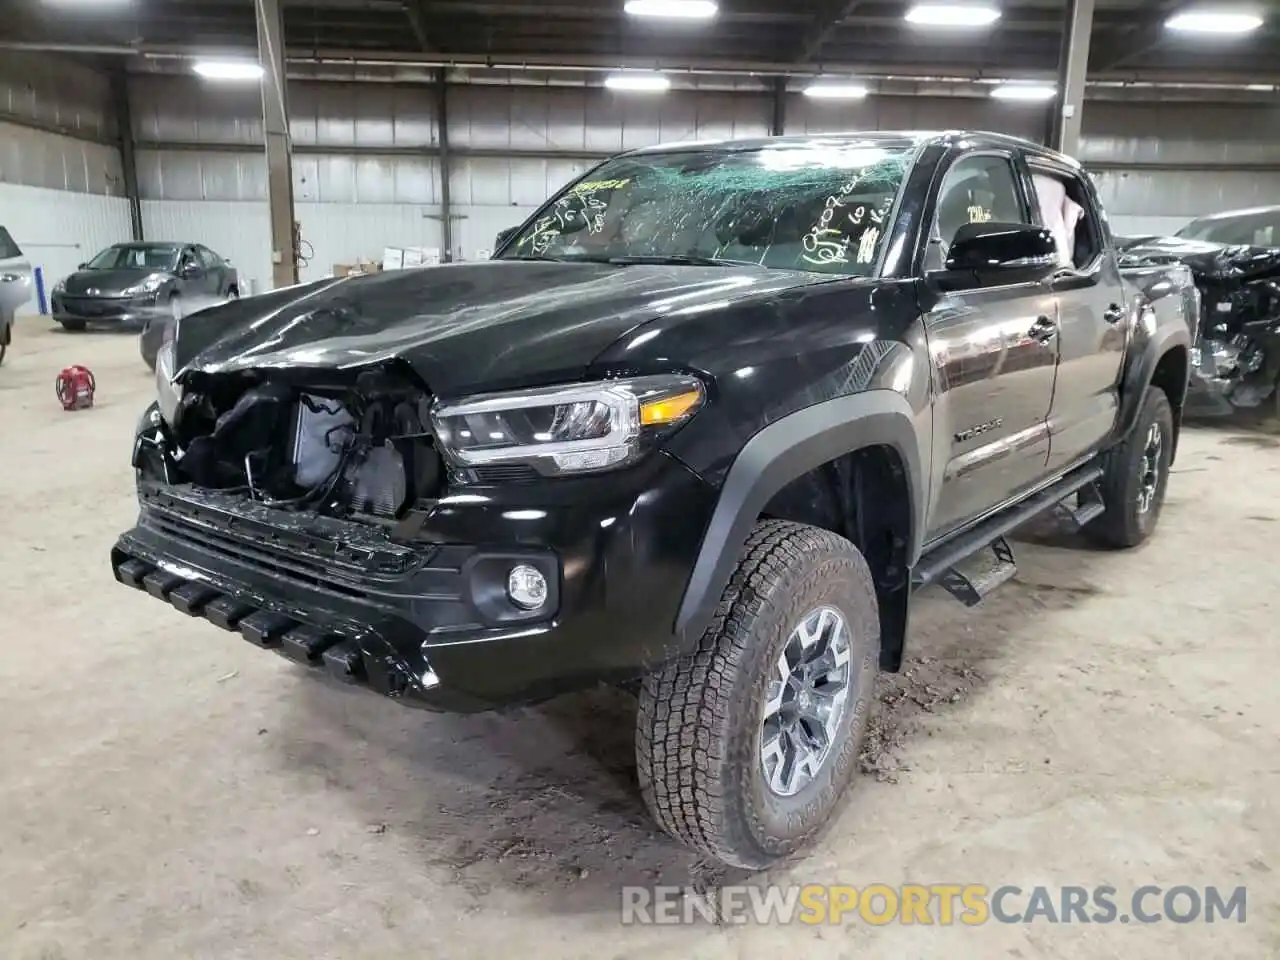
<point x="91" y="307"/>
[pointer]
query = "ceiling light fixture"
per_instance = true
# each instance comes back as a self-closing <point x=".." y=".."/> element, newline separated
<point x="229" y="70"/>
<point x="952" y="15"/>
<point x="1024" y="92"/>
<point x="1214" y="21"/>
<point x="835" y="91"/>
<point x="673" y="9"/>
<point x="638" y="82"/>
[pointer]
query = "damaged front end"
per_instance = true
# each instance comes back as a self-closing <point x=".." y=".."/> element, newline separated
<point x="1235" y="361"/>
<point x="271" y="504"/>
<point x="349" y="445"/>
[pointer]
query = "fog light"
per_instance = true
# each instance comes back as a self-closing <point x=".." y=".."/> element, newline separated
<point x="527" y="587"/>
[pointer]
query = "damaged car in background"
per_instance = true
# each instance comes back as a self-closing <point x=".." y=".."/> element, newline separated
<point x="1235" y="259"/>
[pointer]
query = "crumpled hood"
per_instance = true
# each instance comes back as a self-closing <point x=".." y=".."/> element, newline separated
<point x="107" y="282"/>
<point x="1210" y="261"/>
<point x="463" y="326"/>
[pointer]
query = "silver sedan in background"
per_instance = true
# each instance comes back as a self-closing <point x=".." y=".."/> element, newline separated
<point x="15" y="286"/>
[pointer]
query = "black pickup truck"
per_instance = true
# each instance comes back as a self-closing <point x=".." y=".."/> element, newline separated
<point x="701" y="427"/>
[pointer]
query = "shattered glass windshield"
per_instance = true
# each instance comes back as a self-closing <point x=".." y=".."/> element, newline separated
<point x="813" y="207"/>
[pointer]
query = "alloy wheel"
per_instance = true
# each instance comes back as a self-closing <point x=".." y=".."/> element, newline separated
<point x="808" y="692"/>
<point x="1150" y="469"/>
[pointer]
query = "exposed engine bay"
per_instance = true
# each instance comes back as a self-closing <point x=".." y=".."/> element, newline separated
<point x="1236" y="357"/>
<point x="361" y="449"/>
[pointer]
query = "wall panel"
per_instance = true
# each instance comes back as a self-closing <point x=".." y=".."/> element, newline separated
<point x="1157" y="165"/>
<point x="58" y="229"/>
<point x="56" y="92"/>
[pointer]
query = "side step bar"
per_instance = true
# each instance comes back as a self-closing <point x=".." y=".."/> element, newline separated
<point x="942" y="564"/>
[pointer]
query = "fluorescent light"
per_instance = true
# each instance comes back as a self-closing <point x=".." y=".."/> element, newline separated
<point x="1261" y="87"/>
<point x="1024" y="92"/>
<point x="952" y="15"/>
<point x="835" y="91"/>
<point x="229" y="70"/>
<point x="638" y="82"/>
<point x="1213" y="21"/>
<point x="673" y="9"/>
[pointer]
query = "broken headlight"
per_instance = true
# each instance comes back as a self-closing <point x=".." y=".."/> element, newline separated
<point x="566" y="430"/>
<point x="168" y="393"/>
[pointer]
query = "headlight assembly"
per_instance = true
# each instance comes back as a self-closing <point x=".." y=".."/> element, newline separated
<point x="567" y="430"/>
<point x="150" y="285"/>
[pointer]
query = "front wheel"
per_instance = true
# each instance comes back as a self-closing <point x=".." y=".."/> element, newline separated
<point x="72" y="326"/>
<point x="746" y="746"/>
<point x="1137" y="476"/>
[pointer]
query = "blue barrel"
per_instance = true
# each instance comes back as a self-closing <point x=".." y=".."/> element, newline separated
<point x="41" y="299"/>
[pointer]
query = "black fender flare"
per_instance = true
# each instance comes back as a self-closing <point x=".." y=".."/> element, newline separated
<point x="1140" y="370"/>
<point x="783" y="451"/>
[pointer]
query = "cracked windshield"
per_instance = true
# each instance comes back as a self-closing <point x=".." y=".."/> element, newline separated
<point x="823" y="209"/>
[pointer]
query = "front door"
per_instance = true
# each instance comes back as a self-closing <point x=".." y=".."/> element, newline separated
<point x="1092" y="316"/>
<point x="995" y="357"/>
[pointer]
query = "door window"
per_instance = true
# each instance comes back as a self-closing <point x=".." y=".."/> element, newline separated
<point x="8" y="249"/>
<point x="1065" y="208"/>
<point x="208" y="258"/>
<point x="978" y="189"/>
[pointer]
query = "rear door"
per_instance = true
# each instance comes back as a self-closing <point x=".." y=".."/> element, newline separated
<point x="215" y="272"/>
<point x="994" y="365"/>
<point x="1092" y="313"/>
<point x="15" y="277"/>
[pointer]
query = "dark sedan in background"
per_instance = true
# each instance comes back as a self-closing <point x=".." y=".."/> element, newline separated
<point x="134" y="283"/>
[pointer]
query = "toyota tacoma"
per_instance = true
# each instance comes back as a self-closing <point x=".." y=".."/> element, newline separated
<point x="701" y="427"/>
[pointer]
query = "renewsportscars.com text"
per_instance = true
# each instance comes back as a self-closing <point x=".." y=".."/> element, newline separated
<point x="933" y="904"/>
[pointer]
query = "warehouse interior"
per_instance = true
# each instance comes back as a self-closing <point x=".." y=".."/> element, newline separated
<point x="1104" y="720"/>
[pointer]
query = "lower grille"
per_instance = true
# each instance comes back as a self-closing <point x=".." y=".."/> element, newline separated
<point x="292" y="566"/>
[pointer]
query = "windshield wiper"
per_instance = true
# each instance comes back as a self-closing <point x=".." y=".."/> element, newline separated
<point x="682" y="260"/>
<point x="676" y="259"/>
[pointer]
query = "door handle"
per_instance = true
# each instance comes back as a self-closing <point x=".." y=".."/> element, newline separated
<point x="1113" y="314"/>
<point x="1043" y="330"/>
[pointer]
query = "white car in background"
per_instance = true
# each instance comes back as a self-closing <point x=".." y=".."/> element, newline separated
<point x="15" y="287"/>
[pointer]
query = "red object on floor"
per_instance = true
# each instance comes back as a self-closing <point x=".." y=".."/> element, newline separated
<point x="75" y="386"/>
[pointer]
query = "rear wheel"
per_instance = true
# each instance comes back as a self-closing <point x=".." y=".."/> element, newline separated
<point x="233" y="293"/>
<point x="1137" y="476"/>
<point x="745" y="747"/>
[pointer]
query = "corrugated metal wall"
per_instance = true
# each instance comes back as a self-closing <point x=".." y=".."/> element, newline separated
<point x="61" y="194"/>
<point x="367" y="173"/>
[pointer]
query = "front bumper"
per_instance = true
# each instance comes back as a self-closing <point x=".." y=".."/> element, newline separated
<point x="113" y="310"/>
<point x="421" y="614"/>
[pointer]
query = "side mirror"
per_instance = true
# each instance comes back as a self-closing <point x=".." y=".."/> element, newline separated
<point x="189" y="270"/>
<point x="82" y="266"/>
<point x="992" y="253"/>
<point x="503" y="237"/>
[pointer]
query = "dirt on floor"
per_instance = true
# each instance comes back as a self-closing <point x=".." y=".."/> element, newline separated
<point x="169" y="791"/>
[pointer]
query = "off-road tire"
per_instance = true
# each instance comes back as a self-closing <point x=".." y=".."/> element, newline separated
<point x="1124" y="524"/>
<point x="699" y="720"/>
<point x="73" y="326"/>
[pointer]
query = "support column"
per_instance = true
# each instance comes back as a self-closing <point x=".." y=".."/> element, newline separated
<point x="779" y="125"/>
<point x="1073" y="67"/>
<point x="446" y="191"/>
<point x="128" y="161"/>
<point x="275" y="128"/>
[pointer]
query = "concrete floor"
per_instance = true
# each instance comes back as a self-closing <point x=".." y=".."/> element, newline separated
<point x="169" y="791"/>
